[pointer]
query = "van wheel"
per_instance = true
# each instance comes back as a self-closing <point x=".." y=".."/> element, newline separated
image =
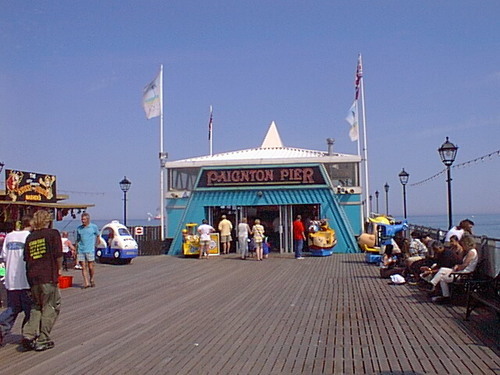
<point x="116" y="254"/>
<point x="98" y="253"/>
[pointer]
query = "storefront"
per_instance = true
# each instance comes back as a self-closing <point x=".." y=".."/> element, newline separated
<point x="273" y="183"/>
<point x="27" y="192"/>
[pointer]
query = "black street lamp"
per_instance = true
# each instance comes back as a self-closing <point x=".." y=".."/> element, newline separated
<point x="125" y="186"/>
<point x="371" y="198"/>
<point x="447" y="153"/>
<point x="386" y="188"/>
<point x="376" y="199"/>
<point x="403" y="178"/>
<point x="1" y="166"/>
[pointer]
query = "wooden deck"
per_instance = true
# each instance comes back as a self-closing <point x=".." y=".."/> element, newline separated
<point x="333" y="315"/>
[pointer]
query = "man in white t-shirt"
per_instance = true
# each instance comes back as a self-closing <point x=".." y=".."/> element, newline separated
<point x="204" y="231"/>
<point x="464" y="227"/>
<point x="16" y="282"/>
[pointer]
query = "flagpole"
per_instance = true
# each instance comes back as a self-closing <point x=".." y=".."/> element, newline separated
<point x="359" y="154"/>
<point x="163" y="158"/>
<point x="365" y="144"/>
<point x="210" y="130"/>
<point x="358" y="140"/>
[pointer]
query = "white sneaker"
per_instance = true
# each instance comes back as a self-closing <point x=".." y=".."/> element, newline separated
<point x="78" y="267"/>
<point x="299" y="258"/>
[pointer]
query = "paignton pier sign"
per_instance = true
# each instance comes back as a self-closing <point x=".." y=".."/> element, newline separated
<point x="211" y="178"/>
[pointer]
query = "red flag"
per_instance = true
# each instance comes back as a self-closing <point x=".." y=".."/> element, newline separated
<point x="357" y="78"/>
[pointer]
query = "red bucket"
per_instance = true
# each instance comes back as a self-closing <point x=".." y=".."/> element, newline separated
<point x="65" y="282"/>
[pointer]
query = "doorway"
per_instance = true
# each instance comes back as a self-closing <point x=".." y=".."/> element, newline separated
<point x="231" y="212"/>
<point x="277" y="222"/>
<point x="308" y="212"/>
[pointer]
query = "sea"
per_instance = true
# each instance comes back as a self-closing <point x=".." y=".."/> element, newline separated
<point x="484" y="224"/>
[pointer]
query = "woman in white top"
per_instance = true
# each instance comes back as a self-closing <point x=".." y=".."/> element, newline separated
<point x="258" y="237"/>
<point x="243" y="232"/>
<point x="68" y="250"/>
<point x="469" y="263"/>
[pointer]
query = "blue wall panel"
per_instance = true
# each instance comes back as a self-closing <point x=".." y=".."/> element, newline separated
<point x="346" y="222"/>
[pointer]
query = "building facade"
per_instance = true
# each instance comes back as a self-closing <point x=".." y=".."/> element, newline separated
<point x="272" y="183"/>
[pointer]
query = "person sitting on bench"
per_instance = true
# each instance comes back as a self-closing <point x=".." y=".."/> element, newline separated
<point x="443" y="277"/>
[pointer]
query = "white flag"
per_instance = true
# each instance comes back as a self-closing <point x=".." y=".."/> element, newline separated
<point x="352" y="119"/>
<point x="151" y="98"/>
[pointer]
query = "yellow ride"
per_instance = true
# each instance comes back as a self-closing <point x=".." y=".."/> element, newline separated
<point x="322" y="239"/>
<point x="191" y="241"/>
<point x="368" y="241"/>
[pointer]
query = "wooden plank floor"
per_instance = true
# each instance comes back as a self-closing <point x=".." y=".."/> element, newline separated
<point x="332" y="315"/>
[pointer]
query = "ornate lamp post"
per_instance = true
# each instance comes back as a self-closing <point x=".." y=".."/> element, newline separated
<point x="386" y="188"/>
<point x="403" y="178"/>
<point x="125" y="186"/>
<point x="376" y="200"/>
<point x="371" y="198"/>
<point x="447" y="153"/>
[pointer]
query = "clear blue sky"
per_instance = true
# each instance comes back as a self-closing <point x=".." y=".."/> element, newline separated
<point x="72" y="74"/>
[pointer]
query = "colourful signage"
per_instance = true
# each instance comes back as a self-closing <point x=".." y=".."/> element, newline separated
<point x="24" y="186"/>
<point x="261" y="176"/>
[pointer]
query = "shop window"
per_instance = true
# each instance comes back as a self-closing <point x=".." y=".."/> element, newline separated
<point x="182" y="178"/>
<point x="343" y="174"/>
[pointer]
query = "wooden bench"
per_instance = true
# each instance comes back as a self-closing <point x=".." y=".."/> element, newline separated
<point x="461" y="280"/>
<point x="483" y="292"/>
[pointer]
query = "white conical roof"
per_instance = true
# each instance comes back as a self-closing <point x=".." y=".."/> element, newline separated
<point x="272" y="138"/>
<point x="272" y="151"/>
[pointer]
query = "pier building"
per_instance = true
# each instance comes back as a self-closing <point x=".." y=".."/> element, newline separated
<point x="273" y="183"/>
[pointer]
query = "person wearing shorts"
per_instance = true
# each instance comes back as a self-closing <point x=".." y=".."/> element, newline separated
<point x="225" y="228"/>
<point x="204" y="231"/>
<point x="258" y="237"/>
<point x="87" y="238"/>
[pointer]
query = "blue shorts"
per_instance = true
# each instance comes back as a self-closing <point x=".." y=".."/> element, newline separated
<point x="86" y="257"/>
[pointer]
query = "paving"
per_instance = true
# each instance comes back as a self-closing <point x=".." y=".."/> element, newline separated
<point x="320" y="315"/>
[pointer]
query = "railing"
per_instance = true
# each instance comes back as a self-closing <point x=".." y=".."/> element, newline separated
<point x="149" y="242"/>
<point x="488" y="247"/>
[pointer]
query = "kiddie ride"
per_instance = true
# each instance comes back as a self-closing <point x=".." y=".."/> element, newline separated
<point x="321" y="239"/>
<point x="191" y="241"/>
<point x="380" y="232"/>
<point x="116" y="244"/>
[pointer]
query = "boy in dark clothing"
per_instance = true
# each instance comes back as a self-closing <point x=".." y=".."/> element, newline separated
<point x="43" y="256"/>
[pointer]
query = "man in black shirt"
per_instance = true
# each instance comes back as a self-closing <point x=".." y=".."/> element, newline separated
<point x="43" y="255"/>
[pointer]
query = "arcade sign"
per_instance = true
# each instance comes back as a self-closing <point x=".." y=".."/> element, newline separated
<point x="21" y="186"/>
<point x="271" y="176"/>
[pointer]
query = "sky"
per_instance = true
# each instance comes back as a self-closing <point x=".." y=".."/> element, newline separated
<point x="72" y="75"/>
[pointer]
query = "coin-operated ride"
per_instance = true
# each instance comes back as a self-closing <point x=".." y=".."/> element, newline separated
<point x="321" y="239"/>
<point x="116" y="244"/>
<point x="191" y="241"/>
<point x="386" y="232"/>
<point x="381" y="230"/>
